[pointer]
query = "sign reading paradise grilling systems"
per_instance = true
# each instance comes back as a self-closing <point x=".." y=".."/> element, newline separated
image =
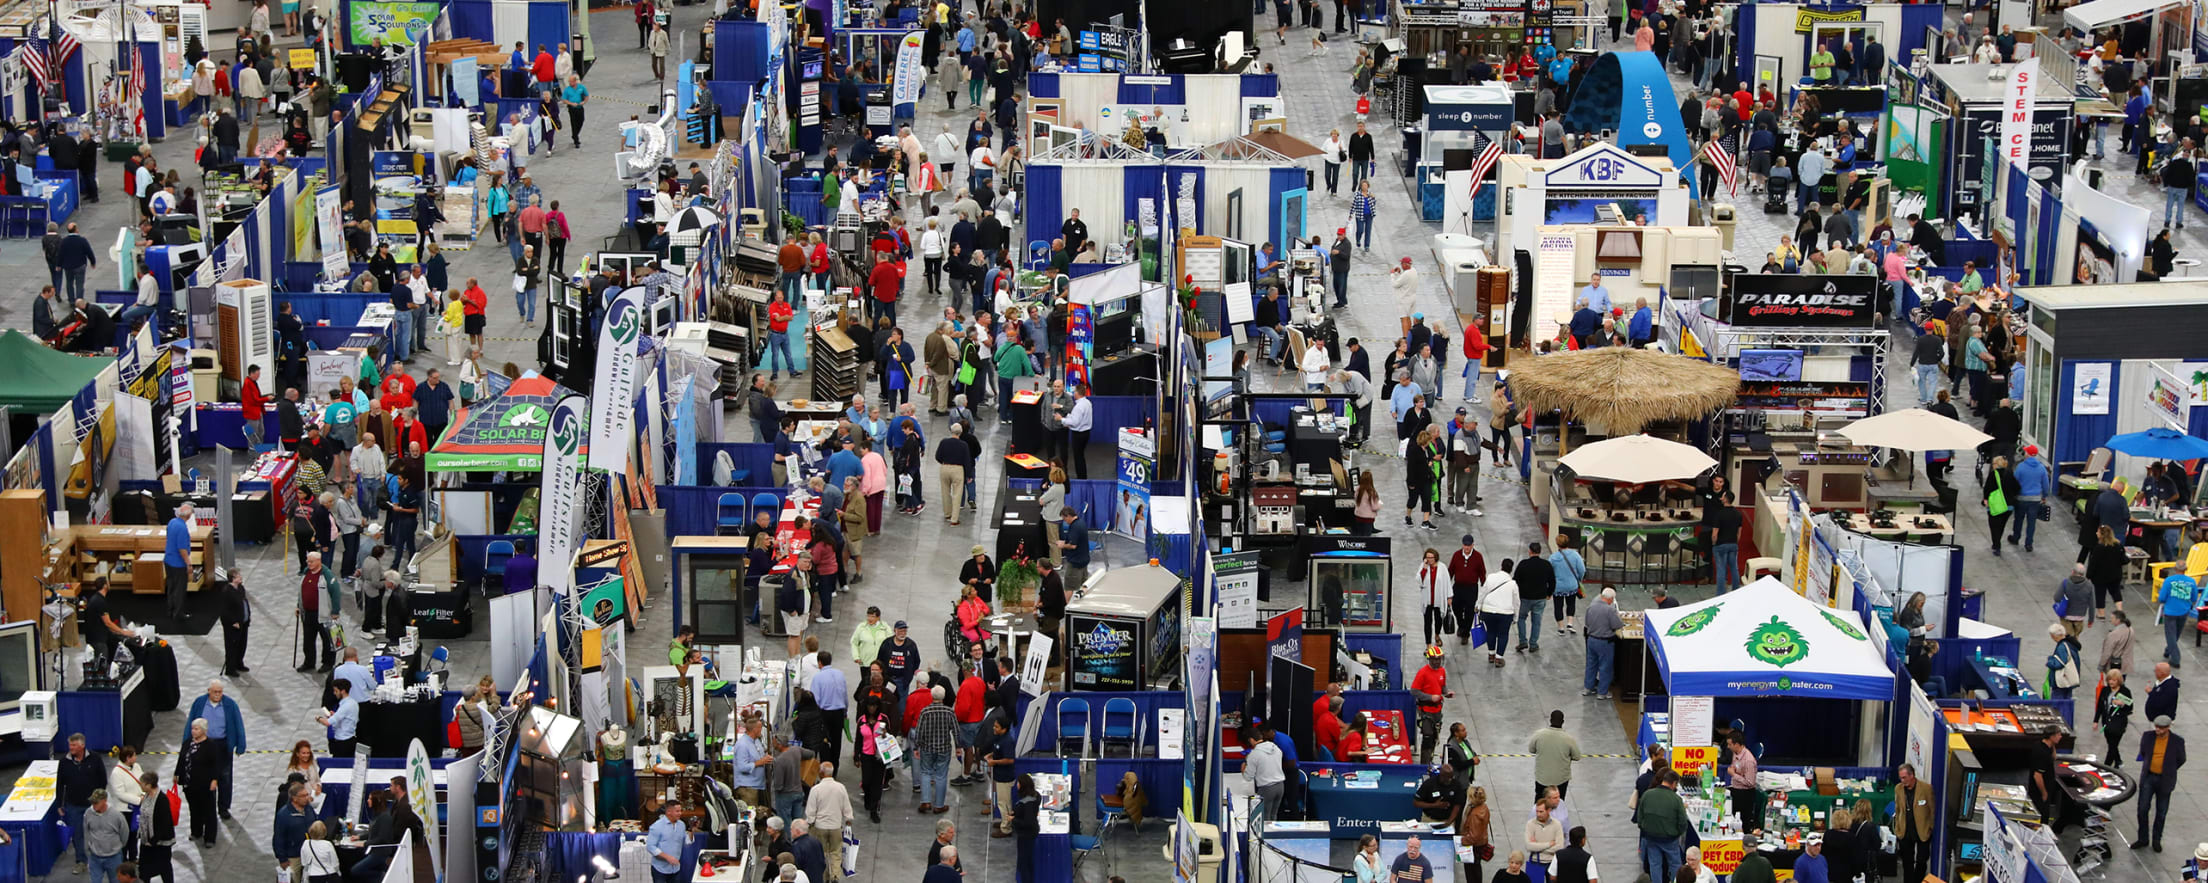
<point x="1780" y="300"/>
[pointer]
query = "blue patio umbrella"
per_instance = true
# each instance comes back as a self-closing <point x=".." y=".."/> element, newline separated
<point x="2161" y="444"/>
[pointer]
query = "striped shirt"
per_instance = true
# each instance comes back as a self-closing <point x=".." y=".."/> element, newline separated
<point x="936" y="732"/>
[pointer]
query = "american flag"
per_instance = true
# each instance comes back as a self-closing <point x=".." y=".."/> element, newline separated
<point x="136" y="92"/>
<point x="43" y="58"/>
<point x="1486" y="162"/>
<point x="1722" y="160"/>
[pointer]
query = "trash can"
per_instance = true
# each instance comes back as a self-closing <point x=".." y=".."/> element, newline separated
<point x="1724" y="218"/>
<point x="1208" y="854"/>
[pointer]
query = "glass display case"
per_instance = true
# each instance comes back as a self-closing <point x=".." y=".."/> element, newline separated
<point x="1349" y="590"/>
<point x="710" y="587"/>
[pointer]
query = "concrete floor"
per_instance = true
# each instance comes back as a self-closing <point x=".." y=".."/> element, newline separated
<point x="911" y="562"/>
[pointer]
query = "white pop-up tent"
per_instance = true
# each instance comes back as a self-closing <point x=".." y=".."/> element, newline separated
<point x="1766" y="640"/>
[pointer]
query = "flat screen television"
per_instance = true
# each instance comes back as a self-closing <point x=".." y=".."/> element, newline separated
<point x="1114" y="334"/>
<point x="1770" y="366"/>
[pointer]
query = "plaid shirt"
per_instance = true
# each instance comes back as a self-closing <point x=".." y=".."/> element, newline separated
<point x="936" y="731"/>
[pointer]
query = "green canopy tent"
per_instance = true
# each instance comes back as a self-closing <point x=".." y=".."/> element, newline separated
<point x="40" y="379"/>
<point x="504" y="434"/>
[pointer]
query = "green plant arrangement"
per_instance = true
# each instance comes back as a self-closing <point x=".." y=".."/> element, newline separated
<point x="1016" y="580"/>
<point x="792" y="224"/>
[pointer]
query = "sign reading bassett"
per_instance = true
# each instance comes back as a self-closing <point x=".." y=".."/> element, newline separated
<point x="1778" y="300"/>
<point x="1602" y="167"/>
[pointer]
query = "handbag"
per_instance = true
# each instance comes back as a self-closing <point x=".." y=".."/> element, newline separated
<point x="1479" y="632"/>
<point x="1448" y="623"/>
<point x="1997" y="503"/>
<point x="2067" y="676"/>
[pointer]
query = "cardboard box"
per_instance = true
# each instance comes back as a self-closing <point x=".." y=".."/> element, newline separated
<point x="1828" y="784"/>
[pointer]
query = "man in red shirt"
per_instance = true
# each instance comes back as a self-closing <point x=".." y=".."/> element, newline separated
<point x="971" y="706"/>
<point x="1326" y="727"/>
<point x="541" y="69"/>
<point x="1467" y="570"/>
<point x="887" y="281"/>
<point x="1326" y="700"/>
<point x="253" y="406"/>
<point x="779" y="313"/>
<point x="1429" y="687"/>
<point x="398" y="391"/>
<point x="473" y="302"/>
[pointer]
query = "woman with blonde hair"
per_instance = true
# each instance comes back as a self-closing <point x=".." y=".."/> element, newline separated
<point x="455" y="326"/>
<point x="318" y="856"/>
<point x="1052" y="499"/>
<point x="1476" y="829"/>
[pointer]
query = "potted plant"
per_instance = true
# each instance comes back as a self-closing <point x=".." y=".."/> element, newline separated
<point x="1017" y="582"/>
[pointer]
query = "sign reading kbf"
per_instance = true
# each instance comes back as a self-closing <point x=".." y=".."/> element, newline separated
<point x="1601" y="168"/>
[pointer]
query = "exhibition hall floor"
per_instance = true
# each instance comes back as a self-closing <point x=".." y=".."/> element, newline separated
<point x="910" y="567"/>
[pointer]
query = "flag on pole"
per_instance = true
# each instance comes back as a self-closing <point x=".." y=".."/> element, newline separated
<point x="1722" y="160"/>
<point x="136" y="92"/>
<point x="1486" y="162"/>
<point x="44" y="58"/>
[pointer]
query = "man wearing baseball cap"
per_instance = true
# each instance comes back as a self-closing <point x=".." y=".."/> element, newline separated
<point x="2161" y="753"/>
<point x="1925" y="359"/>
<point x="2032" y="483"/>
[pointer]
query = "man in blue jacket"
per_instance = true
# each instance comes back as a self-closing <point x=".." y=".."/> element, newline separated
<point x="2032" y="481"/>
<point x="1641" y="329"/>
<point x="74" y="255"/>
<point x="225" y="724"/>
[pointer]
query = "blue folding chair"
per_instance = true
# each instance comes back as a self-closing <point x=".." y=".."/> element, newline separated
<point x="1073" y="726"/>
<point x="495" y="555"/>
<point x="769" y="502"/>
<point x="1120" y="729"/>
<point x="729" y="514"/>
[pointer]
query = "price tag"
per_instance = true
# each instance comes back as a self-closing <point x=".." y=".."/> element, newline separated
<point x="1686" y="759"/>
<point x="1723" y="856"/>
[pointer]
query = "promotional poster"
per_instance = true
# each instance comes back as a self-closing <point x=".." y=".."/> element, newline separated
<point x="1131" y="500"/>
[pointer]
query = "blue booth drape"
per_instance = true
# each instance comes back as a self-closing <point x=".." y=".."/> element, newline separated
<point x="1046" y="205"/>
<point x="1388" y="647"/>
<point x="693" y="510"/>
<point x="1113" y="413"/>
<point x="754" y="461"/>
<point x="1146" y="713"/>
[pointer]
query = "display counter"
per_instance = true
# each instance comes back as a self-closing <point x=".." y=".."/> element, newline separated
<point x="1631" y="535"/>
<point x="1902" y="525"/>
<point x="1357" y="798"/>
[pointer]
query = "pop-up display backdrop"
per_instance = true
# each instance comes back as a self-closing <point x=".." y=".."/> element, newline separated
<point x="1195" y="109"/>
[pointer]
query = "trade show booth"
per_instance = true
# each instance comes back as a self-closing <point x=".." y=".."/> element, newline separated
<point x="1775" y="40"/>
<point x="1600" y="184"/>
<point x="1971" y="94"/>
<point x="2108" y="360"/>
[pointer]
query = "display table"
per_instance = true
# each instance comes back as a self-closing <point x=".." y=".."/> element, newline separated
<point x="1907" y="527"/>
<point x="1355" y="798"/>
<point x="337" y="782"/>
<point x="1387" y="740"/>
<point x="387" y="728"/>
<point x="441" y="614"/>
<point x="1633" y="547"/>
<point x="1053" y="849"/>
<point x="31" y="817"/>
<point x="1999" y="679"/>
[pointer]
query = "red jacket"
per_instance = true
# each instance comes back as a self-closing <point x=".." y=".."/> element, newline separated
<point x="398" y="391"/>
<point x="887" y="280"/>
<point x="1475" y="343"/>
<point x="778" y="316"/>
<point x="249" y="395"/>
<point x="542" y="66"/>
<point x="1467" y="567"/>
<point x="819" y="261"/>
<point x="914" y="704"/>
<point x="972" y="702"/>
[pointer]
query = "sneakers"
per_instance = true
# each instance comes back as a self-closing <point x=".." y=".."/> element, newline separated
<point x="1430" y="526"/>
<point x="1476" y="513"/>
<point x="1603" y="696"/>
<point x="824" y="619"/>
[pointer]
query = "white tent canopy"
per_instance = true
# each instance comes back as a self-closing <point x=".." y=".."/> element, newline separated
<point x="2102" y="13"/>
<point x="1765" y="640"/>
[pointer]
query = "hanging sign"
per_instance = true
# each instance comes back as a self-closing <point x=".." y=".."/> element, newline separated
<point x="614" y="393"/>
<point x="2168" y="399"/>
<point x="2089" y="387"/>
<point x="2016" y="112"/>
<point x="1131" y="507"/>
<point x="1782" y="300"/>
<point x="562" y="467"/>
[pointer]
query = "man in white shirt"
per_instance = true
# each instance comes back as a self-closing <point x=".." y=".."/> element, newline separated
<point x="828" y="810"/>
<point x="983" y="164"/>
<point x="368" y="465"/>
<point x="1263" y="766"/>
<point x="148" y="302"/>
<point x="423" y="303"/>
<point x="1079" y="420"/>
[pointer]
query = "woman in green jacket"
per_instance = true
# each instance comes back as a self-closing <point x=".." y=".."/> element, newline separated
<point x="1012" y="363"/>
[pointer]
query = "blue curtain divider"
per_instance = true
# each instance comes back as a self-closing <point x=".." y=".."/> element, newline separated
<point x="1280" y="411"/>
<point x="1092" y="497"/>
<point x="1046" y="204"/>
<point x="693" y="510"/>
<point x="468" y="550"/>
<point x="548" y="24"/>
<point x="1112" y="413"/>
<point x="1042" y="85"/>
<point x="1173" y="92"/>
<point x="1161" y="780"/>
<point x="1388" y="647"/>
<point x="1260" y="85"/>
<point x="326" y="337"/>
<point x="336" y="308"/>
<point x="2076" y="435"/>
<point x="1281" y="181"/>
<point x="754" y="461"/>
<point x="98" y="714"/>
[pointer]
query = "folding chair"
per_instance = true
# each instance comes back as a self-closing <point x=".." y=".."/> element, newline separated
<point x="495" y="556"/>
<point x="1073" y="726"/>
<point x="1120" y="730"/>
<point x="729" y="514"/>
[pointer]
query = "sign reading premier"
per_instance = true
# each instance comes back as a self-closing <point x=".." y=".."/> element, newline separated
<point x="1778" y="300"/>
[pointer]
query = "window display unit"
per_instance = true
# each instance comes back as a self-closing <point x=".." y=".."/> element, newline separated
<point x="1347" y="580"/>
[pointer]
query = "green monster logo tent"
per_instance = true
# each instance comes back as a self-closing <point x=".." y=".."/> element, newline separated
<point x="1693" y="622"/>
<point x="1777" y="643"/>
<point x="1845" y="627"/>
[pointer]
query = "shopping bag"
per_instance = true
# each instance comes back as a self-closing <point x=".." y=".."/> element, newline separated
<point x="892" y="751"/>
<point x="2062" y="607"/>
<point x="904" y="485"/>
<point x="1479" y="632"/>
<point x="850" y="853"/>
<point x="521" y="283"/>
<point x="1997" y="503"/>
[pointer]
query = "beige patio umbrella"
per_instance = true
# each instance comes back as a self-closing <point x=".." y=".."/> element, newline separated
<point x="1914" y="429"/>
<point x="1638" y="459"/>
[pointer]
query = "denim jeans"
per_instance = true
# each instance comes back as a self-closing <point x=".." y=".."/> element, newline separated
<point x="2173" y="200"/>
<point x="2026" y="523"/>
<point x="1602" y="655"/>
<point x="935" y="778"/>
<point x="402" y="335"/>
<point x="1901" y="297"/>
<point x="793" y="285"/>
<point x="1661" y="858"/>
<point x="1725" y="559"/>
<point x="2172" y="626"/>
<point x="1928" y="379"/>
<point x="1358" y="172"/>
<point x="778" y="353"/>
<point x="1529" y="624"/>
<point x="1274" y="342"/>
<point x="1004" y="400"/>
<point x="1364" y="233"/>
<point x="1471" y="381"/>
<point x="73" y="279"/>
<point x="2100" y="134"/>
<point x="1333" y="176"/>
<point x="73" y="816"/>
<point x="789" y="806"/>
<point x="103" y="867"/>
<point x="525" y="303"/>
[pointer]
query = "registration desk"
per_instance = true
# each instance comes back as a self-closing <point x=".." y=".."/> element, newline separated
<point x="1356" y="798"/>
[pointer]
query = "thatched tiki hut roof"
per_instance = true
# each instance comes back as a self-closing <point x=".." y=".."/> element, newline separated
<point x="1622" y="389"/>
